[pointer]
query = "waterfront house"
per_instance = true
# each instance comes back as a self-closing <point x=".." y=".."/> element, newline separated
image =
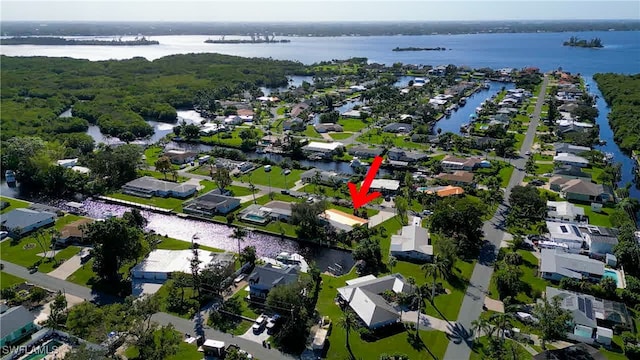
<point x="148" y="186"/>
<point x="385" y="186"/>
<point x="571" y="160"/>
<point x="569" y="149"/>
<point x="451" y="162"/>
<point x="397" y="154"/>
<point x="341" y="220"/>
<point x="556" y="264"/>
<point x="566" y="233"/>
<point x="413" y="243"/>
<point x="564" y="211"/>
<point x="323" y="149"/>
<point x="363" y="296"/>
<point x="17" y="324"/>
<point x="263" y="214"/>
<point x="294" y="124"/>
<point x="297" y="109"/>
<point x="266" y="277"/>
<point x="567" y="126"/>
<point x="160" y="263"/>
<point x="324" y="177"/>
<point x="459" y="177"/>
<point x="581" y="190"/>
<point x="19" y="222"/>
<point x="365" y="152"/>
<point x="571" y="172"/>
<point x="210" y="204"/>
<point x="398" y="128"/>
<point x="73" y="232"/>
<point x="354" y="114"/>
<point x="600" y="240"/>
<point x="180" y="157"/>
<point x="328" y="127"/>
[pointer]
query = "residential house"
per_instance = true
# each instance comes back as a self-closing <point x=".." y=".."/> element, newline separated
<point x="363" y="296"/>
<point x="324" y="177"/>
<point x="556" y="264"/>
<point x="565" y="148"/>
<point x="322" y="149"/>
<point x="413" y="243"/>
<point x="341" y="220"/>
<point x="210" y="204"/>
<point x="566" y="233"/>
<point x="354" y="114"/>
<point x="578" y="351"/>
<point x="297" y="109"/>
<point x="17" y="324"/>
<point x="566" y="126"/>
<point x="582" y="190"/>
<point x="180" y="157"/>
<point x="73" y="232"/>
<point x="365" y="152"/>
<point x="443" y="191"/>
<point x="160" y="263"/>
<point x="385" y="186"/>
<point x="68" y="163"/>
<point x="279" y="210"/>
<point x="148" y="186"/>
<point x="450" y="162"/>
<point x="397" y="154"/>
<point x="294" y="124"/>
<point x="571" y="172"/>
<point x="564" y="211"/>
<point x="398" y="128"/>
<point x="19" y="222"/>
<point x="592" y="318"/>
<point x="266" y="277"/>
<point x="571" y="160"/>
<point x="600" y="240"/>
<point x="328" y="127"/>
<point x="459" y="177"/>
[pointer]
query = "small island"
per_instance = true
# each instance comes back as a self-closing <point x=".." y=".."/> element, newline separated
<point x="255" y="39"/>
<point x="49" y="40"/>
<point x="419" y="49"/>
<point x="576" y="42"/>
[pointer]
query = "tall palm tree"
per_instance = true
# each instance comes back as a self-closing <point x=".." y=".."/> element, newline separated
<point x="392" y="262"/>
<point x="438" y="267"/>
<point x="630" y="206"/>
<point x="239" y="234"/>
<point x="348" y="322"/>
<point x="483" y="326"/>
<point x="502" y="322"/>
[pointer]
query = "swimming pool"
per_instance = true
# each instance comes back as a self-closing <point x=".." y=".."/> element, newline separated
<point x="256" y="218"/>
<point x="583" y="331"/>
<point x="43" y="350"/>
<point x="611" y="274"/>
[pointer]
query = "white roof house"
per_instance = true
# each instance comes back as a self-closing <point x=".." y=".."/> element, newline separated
<point x="563" y="210"/>
<point x="323" y="147"/>
<point x="68" y="163"/>
<point x="385" y="184"/>
<point x="160" y="263"/>
<point x="413" y="243"/>
<point x="365" y="300"/>
<point x="556" y="264"/>
<point x="566" y="233"/>
<point x="571" y="159"/>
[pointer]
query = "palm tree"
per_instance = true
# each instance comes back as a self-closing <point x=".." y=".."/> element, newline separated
<point x="630" y="206"/>
<point x="239" y="234"/>
<point x="348" y="322"/>
<point x="392" y="262"/>
<point x="482" y="325"/>
<point x="502" y="322"/>
<point x="438" y="267"/>
<point x="253" y="191"/>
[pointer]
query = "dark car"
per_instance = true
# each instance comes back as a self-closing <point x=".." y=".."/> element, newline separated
<point x="536" y="182"/>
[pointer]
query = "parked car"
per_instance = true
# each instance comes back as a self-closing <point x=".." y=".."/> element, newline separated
<point x="272" y="323"/>
<point x="33" y="270"/>
<point x="259" y="323"/>
<point x="536" y="182"/>
<point x="310" y="199"/>
<point x="285" y="192"/>
<point x="4" y="234"/>
<point x="528" y="153"/>
<point x="427" y="212"/>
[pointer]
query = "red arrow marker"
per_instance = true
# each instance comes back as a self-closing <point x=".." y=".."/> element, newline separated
<point x="362" y="197"/>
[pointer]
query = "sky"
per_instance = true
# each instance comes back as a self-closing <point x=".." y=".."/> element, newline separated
<point x="314" y="10"/>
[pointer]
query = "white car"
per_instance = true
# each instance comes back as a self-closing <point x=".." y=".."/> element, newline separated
<point x="3" y="234"/>
<point x="260" y="321"/>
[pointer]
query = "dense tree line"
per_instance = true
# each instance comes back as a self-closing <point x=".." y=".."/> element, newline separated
<point x="622" y="94"/>
<point x="119" y="95"/>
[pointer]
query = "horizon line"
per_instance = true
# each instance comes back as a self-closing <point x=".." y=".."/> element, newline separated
<point x="320" y="21"/>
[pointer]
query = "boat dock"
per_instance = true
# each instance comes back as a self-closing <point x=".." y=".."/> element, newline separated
<point x="135" y="205"/>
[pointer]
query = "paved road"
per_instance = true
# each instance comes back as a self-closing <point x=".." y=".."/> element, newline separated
<point x="460" y="346"/>
<point x="182" y="325"/>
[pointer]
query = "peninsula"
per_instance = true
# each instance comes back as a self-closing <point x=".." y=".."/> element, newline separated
<point x="419" y="49"/>
<point x="49" y="40"/>
<point x="255" y="39"/>
<point x="576" y="42"/>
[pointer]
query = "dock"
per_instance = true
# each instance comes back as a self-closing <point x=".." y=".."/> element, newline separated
<point x="135" y="205"/>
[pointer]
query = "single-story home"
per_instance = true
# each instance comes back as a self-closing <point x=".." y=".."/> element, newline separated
<point x="581" y="190"/>
<point x="342" y="220"/>
<point x="210" y="204"/>
<point x="354" y="114"/>
<point x="294" y="124"/>
<point x="266" y="277"/>
<point x="571" y="172"/>
<point x="565" y="148"/>
<point x="328" y="127"/>
<point x="180" y="157"/>
<point x="365" y="152"/>
<point x="408" y="156"/>
<point x="73" y="232"/>
<point x="67" y="163"/>
<point x="566" y="233"/>
<point x="17" y="324"/>
<point x="324" y="177"/>
<point x="459" y="177"/>
<point x="262" y="214"/>
<point x="148" y="186"/>
<point x="398" y="128"/>
<point x="385" y="186"/>
<point x="564" y="211"/>
<point x="363" y="296"/>
<point x="160" y="263"/>
<point x="571" y="159"/>
<point x="22" y="221"/>
<point x="297" y="109"/>
<point x="413" y="243"/>
<point x="455" y="163"/>
<point x="556" y="264"/>
<point x="322" y="148"/>
<point x="443" y="191"/>
<point x="600" y="240"/>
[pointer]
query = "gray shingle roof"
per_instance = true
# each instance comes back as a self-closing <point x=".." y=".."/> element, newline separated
<point x="569" y="265"/>
<point x="270" y="276"/>
<point x="14" y="319"/>
<point x="24" y="218"/>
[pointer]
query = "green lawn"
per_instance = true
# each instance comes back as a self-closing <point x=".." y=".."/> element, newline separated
<point x="83" y="275"/>
<point x="161" y="176"/>
<point x="237" y="190"/>
<point x="340" y="136"/>
<point x="246" y="310"/>
<point x="370" y="137"/>
<point x="544" y="168"/>
<point x="201" y="170"/>
<point x="505" y="175"/>
<point x="481" y="346"/>
<point x="435" y="341"/>
<point x="341" y="193"/>
<point x="25" y="252"/>
<point x="534" y="283"/>
<point x="275" y="177"/>
<point x="165" y="203"/>
<point x="185" y="352"/>
<point x="311" y="132"/>
<point x="168" y="243"/>
<point x="519" y="140"/>
<point x="599" y="219"/>
<point x="13" y="204"/>
<point x="353" y="125"/>
<point x="233" y="141"/>
<point x="7" y="280"/>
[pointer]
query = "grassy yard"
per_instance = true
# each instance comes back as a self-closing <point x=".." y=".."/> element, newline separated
<point x="352" y="125"/>
<point x="185" y="352"/>
<point x="152" y="154"/>
<point x="7" y="280"/>
<point x="535" y="285"/>
<point x="480" y="349"/>
<point x="519" y="140"/>
<point x="161" y="176"/>
<point x="83" y="275"/>
<point x="13" y="204"/>
<point x="233" y="141"/>
<point x="599" y="219"/>
<point x="311" y="132"/>
<point x="340" y="136"/>
<point x="165" y="203"/>
<point x="370" y="137"/>
<point x="25" y="252"/>
<point x="544" y="169"/>
<point x="277" y="178"/>
<point x="435" y="342"/>
<point x="505" y="175"/>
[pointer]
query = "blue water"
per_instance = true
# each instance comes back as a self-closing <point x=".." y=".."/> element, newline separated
<point x="611" y="274"/>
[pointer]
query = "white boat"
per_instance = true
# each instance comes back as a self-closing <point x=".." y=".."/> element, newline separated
<point x="107" y="215"/>
<point x="10" y="176"/>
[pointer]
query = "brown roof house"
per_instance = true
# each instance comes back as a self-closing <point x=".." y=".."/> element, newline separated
<point x="73" y="232"/>
<point x="454" y="163"/>
<point x="459" y="177"/>
<point x="581" y="190"/>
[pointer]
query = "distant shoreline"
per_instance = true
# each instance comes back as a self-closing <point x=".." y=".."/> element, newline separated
<point x="419" y="49"/>
<point x="51" y="40"/>
<point x="209" y="41"/>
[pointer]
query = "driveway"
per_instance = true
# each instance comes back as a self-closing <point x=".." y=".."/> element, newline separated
<point x="256" y="337"/>
<point x="68" y="267"/>
<point x="380" y="217"/>
<point x="426" y="321"/>
<point x="42" y="314"/>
